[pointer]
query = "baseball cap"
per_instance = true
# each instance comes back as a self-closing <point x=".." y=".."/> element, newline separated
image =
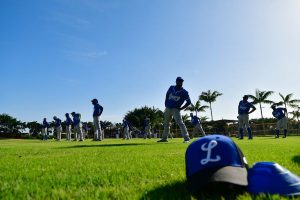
<point x="179" y="79"/>
<point x="94" y="100"/>
<point x="215" y="159"/>
<point x="271" y="178"/>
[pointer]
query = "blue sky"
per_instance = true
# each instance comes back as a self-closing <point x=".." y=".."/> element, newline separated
<point x="57" y="55"/>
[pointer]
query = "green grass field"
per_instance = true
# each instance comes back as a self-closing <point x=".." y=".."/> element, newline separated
<point x="117" y="169"/>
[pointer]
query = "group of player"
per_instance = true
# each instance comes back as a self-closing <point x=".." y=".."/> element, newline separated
<point x="76" y="123"/>
<point x="245" y="108"/>
<point x="176" y="96"/>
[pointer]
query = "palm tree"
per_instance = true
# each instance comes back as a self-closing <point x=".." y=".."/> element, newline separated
<point x="288" y="101"/>
<point x="296" y="114"/>
<point x="210" y="97"/>
<point x="261" y="97"/>
<point x="185" y="118"/>
<point x="196" y="107"/>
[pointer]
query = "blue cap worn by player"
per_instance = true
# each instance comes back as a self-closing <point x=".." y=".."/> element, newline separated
<point x="179" y="79"/>
<point x="271" y="178"/>
<point x="215" y="162"/>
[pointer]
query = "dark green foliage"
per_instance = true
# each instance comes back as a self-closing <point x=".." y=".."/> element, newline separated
<point x="137" y="116"/>
<point x="34" y="128"/>
<point x="10" y="127"/>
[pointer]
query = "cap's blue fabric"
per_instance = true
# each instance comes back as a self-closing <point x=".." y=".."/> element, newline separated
<point x="213" y="151"/>
<point x="271" y="178"/>
<point x="179" y="79"/>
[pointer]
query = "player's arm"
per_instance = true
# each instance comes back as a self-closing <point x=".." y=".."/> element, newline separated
<point x="253" y="108"/>
<point x="167" y="96"/>
<point x="188" y="102"/>
<point x="285" y="111"/>
<point x="101" y="110"/>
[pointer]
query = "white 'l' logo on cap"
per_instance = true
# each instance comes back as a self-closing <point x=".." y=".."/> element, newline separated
<point x="212" y="144"/>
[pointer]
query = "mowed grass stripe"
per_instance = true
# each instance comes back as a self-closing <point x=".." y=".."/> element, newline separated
<point x="116" y="168"/>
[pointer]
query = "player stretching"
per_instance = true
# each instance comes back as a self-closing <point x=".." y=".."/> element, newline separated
<point x="46" y="126"/>
<point x="58" y="128"/>
<point x="126" y="130"/>
<point x="98" y="135"/>
<point x="175" y="97"/>
<point x="244" y="111"/>
<point x="77" y="126"/>
<point x="280" y="115"/>
<point x="69" y="123"/>
<point x="147" y="128"/>
<point x="197" y="125"/>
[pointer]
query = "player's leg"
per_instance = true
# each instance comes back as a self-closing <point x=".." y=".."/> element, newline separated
<point x="80" y="132"/>
<point x="46" y="133"/>
<point x="284" y="125"/>
<point x="75" y="133"/>
<point x="194" y="132"/>
<point x="179" y="121"/>
<point x="200" y="128"/>
<point x="167" y="120"/>
<point x="69" y="132"/>
<point x="149" y="132"/>
<point x="277" y="128"/>
<point x="43" y="134"/>
<point x="96" y="126"/>
<point x="59" y="133"/>
<point x="241" y="126"/>
<point x="126" y="133"/>
<point x="250" y="136"/>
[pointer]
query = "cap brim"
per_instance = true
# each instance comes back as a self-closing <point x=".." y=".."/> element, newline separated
<point x="227" y="174"/>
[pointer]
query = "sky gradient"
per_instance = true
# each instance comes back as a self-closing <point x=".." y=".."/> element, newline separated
<point x="57" y="55"/>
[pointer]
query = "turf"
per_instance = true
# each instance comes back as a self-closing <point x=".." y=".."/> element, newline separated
<point x="117" y="169"/>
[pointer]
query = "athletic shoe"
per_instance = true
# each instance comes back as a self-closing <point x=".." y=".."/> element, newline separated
<point x="284" y="137"/>
<point x="186" y="140"/>
<point x="277" y="136"/>
<point x="163" y="140"/>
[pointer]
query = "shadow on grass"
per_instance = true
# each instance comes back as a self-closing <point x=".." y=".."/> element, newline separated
<point x="176" y="190"/>
<point x="296" y="159"/>
<point x="103" y="145"/>
<point x="179" y="190"/>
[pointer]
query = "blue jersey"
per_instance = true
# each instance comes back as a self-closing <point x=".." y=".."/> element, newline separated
<point x="146" y="122"/>
<point x="125" y="124"/>
<point x="175" y="98"/>
<point x="278" y="113"/>
<point x="244" y="107"/>
<point x="97" y="110"/>
<point x="69" y="121"/>
<point x="46" y="124"/>
<point x="57" y="122"/>
<point x="76" y="119"/>
<point x="195" y="120"/>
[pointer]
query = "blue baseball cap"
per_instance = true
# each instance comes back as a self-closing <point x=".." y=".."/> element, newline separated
<point x="179" y="79"/>
<point x="271" y="178"/>
<point x="215" y="159"/>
